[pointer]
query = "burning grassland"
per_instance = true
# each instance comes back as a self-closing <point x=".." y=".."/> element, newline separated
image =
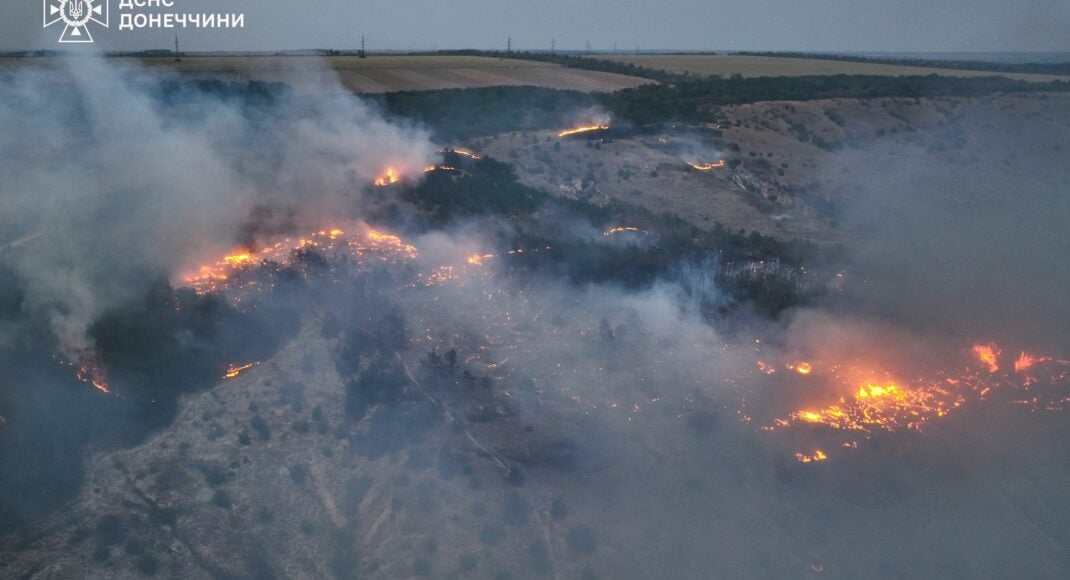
<point x="584" y="130"/>
<point x="236" y="270"/>
<point x="90" y="371"/>
<point x="461" y="152"/>
<point x="622" y="230"/>
<point x="390" y="176"/>
<point x="875" y="400"/>
<point x="708" y="166"/>
<point x="233" y="370"/>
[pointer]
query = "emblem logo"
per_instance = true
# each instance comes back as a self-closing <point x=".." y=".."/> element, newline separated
<point x="76" y="15"/>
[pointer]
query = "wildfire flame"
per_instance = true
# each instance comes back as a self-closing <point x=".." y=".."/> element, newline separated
<point x="461" y="151"/>
<point x="882" y="406"/>
<point x="989" y="355"/>
<point x="234" y="370"/>
<point x="1027" y="361"/>
<point x="817" y="456"/>
<point x="477" y="259"/>
<point x="890" y="405"/>
<point x="708" y="166"/>
<point x="224" y="273"/>
<point x="579" y="130"/>
<point x="620" y="230"/>
<point x="91" y="372"/>
<point x="389" y="177"/>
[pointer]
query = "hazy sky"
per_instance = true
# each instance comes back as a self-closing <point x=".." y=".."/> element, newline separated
<point x="817" y="25"/>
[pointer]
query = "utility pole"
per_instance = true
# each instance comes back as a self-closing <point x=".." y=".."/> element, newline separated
<point x="362" y="53"/>
<point x="177" y="53"/>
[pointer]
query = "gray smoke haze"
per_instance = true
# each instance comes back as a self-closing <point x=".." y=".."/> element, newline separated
<point x="962" y="232"/>
<point x="122" y="190"/>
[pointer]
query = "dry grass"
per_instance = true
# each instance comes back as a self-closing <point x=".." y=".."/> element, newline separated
<point x="768" y="66"/>
<point x="379" y="74"/>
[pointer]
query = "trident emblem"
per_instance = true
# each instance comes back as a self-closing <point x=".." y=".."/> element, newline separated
<point x="76" y="16"/>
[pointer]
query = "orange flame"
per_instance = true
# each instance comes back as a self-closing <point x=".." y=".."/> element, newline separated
<point x="817" y="456"/>
<point x="989" y="355"/>
<point x="886" y="406"/>
<point x="477" y="259"/>
<point x="578" y="130"/>
<point x="91" y="372"/>
<point x="224" y="272"/>
<point x="461" y="151"/>
<point x="234" y="370"/>
<point x="389" y="177"/>
<point x="1027" y="361"/>
<point x="708" y="166"/>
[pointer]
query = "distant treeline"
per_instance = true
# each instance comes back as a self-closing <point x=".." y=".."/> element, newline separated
<point x="695" y="99"/>
<point x="1052" y="68"/>
<point x="464" y="113"/>
<point x="575" y="61"/>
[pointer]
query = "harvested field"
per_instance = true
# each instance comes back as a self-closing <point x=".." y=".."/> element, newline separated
<point x="769" y="66"/>
<point x="382" y="74"/>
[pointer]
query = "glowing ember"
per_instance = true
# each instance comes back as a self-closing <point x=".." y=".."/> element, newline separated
<point x="620" y="230"/>
<point x="886" y="406"/>
<point x="817" y="456"/>
<point x="391" y="242"/>
<point x="91" y="372"/>
<point x="580" y="130"/>
<point x="461" y="151"/>
<point x="477" y="259"/>
<point x="989" y="355"/>
<point x="891" y="405"/>
<point x="433" y="168"/>
<point x="389" y="177"/>
<point x="227" y="272"/>
<point x="1027" y="361"/>
<point x="708" y="166"/>
<point x="234" y="370"/>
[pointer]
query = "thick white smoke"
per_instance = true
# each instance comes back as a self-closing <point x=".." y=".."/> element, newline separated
<point x="126" y="181"/>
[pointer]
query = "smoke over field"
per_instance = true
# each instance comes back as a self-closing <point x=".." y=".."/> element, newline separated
<point x="249" y="333"/>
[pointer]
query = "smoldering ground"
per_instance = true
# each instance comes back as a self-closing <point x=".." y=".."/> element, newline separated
<point x="522" y="416"/>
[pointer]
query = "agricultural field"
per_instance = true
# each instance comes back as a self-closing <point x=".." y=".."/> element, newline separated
<point x="382" y="74"/>
<point x="771" y="66"/>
